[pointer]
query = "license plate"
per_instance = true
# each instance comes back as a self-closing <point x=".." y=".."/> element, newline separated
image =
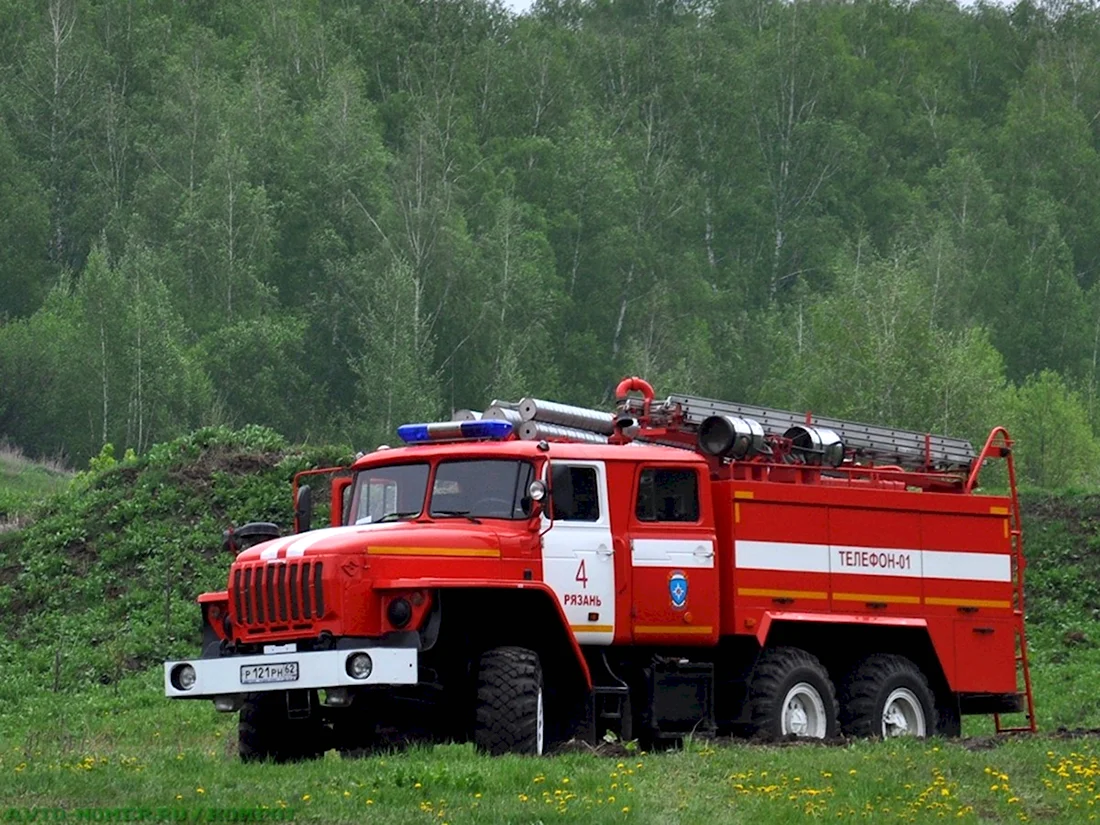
<point x="263" y="674"/>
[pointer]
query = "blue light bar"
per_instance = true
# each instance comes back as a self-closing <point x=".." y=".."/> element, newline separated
<point x="454" y="431"/>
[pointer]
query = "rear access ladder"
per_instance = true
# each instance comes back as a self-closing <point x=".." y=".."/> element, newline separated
<point x="999" y="444"/>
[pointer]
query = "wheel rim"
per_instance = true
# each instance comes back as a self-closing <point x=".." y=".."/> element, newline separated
<point x="803" y="713"/>
<point x="903" y="715"/>
<point x="540" y="725"/>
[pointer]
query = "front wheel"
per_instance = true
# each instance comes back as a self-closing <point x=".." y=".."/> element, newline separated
<point x="265" y="730"/>
<point x="790" y="694"/>
<point x="510" y="715"/>
<point x="887" y="696"/>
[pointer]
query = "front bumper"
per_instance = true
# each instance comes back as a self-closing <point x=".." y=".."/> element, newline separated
<point x="316" y="669"/>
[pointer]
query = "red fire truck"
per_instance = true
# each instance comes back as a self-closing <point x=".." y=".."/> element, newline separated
<point x="538" y="571"/>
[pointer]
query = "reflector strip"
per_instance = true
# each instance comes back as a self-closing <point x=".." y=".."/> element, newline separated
<point x="936" y="600"/>
<point x="782" y="594"/>
<point x="672" y="629"/>
<point x="875" y="597"/>
<point x="592" y="628"/>
<point x="954" y="565"/>
<point x="434" y="551"/>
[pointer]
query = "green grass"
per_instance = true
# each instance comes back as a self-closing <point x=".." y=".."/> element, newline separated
<point x="24" y="483"/>
<point x="126" y="746"/>
<point x="98" y="587"/>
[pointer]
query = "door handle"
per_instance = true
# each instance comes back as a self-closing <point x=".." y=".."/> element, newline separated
<point x="603" y="550"/>
<point x="704" y="551"/>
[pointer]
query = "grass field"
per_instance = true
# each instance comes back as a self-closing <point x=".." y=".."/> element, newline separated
<point x="83" y="723"/>
<point x="24" y="482"/>
<point x="126" y="746"/>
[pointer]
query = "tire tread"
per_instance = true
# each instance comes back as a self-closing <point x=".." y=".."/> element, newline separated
<point x="772" y="669"/>
<point x="508" y="684"/>
<point x="863" y="689"/>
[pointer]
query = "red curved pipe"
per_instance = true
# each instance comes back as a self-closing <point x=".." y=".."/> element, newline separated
<point x="634" y="383"/>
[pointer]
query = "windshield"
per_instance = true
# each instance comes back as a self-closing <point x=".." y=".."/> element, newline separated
<point x="485" y="489"/>
<point x="388" y="493"/>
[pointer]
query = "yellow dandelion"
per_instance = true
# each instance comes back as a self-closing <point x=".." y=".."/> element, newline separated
<point x="200" y="790"/>
<point x="418" y="785"/>
<point x="305" y="797"/>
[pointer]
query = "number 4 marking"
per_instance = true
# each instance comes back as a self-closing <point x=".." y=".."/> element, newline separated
<point x="581" y="576"/>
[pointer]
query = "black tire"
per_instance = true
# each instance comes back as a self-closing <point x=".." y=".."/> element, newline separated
<point x="509" y="711"/>
<point x="948" y="720"/>
<point x="266" y="733"/>
<point x="870" y="685"/>
<point x="780" y="672"/>
<point x="356" y="732"/>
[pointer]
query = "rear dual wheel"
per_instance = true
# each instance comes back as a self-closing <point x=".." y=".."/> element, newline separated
<point x="790" y="694"/>
<point x="887" y="696"/>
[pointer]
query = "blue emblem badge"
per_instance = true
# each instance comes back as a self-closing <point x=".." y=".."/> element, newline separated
<point x="678" y="589"/>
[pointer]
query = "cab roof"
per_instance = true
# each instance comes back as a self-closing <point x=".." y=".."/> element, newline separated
<point x="558" y="450"/>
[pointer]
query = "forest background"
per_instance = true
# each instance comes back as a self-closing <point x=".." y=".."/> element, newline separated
<point x="335" y="217"/>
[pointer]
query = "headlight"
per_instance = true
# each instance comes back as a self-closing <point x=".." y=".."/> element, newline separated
<point x="399" y="612"/>
<point x="359" y="666"/>
<point x="183" y="677"/>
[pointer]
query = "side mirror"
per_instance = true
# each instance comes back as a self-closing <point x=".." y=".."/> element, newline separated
<point x="248" y="535"/>
<point x="303" y="510"/>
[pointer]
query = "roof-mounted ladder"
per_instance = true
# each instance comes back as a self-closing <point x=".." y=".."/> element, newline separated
<point x="883" y="445"/>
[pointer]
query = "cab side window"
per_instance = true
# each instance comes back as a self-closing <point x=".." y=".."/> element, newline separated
<point x="668" y="494"/>
<point x="575" y="493"/>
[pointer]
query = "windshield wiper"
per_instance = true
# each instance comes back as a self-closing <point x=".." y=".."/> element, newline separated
<point x="398" y="514"/>
<point x="463" y="513"/>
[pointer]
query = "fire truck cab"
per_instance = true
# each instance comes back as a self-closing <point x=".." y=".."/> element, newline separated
<point x="540" y="572"/>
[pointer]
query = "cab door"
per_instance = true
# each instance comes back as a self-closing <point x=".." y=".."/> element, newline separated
<point x="672" y="555"/>
<point x="577" y="550"/>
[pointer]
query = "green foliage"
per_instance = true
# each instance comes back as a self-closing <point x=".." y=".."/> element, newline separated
<point x="103" y="581"/>
<point x="329" y="221"/>
<point x="24" y="483"/>
<point x="1055" y="444"/>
